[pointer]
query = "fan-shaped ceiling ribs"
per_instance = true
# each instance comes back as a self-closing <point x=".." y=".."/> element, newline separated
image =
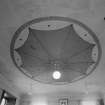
<point x="42" y="47"/>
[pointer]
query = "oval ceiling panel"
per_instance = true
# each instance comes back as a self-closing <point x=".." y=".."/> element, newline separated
<point x="48" y="44"/>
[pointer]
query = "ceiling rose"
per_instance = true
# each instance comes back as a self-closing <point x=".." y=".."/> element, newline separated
<point x="48" y="44"/>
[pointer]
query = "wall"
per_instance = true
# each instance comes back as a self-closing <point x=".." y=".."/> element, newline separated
<point x="50" y="98"/>
<point x="4" y="84"/>
<point x="74" y="98"/>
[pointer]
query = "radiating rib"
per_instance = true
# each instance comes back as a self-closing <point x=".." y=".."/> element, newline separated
<point x="82" y="51"/>
<point x="35" y="36"/>
<point x="79" y="67"/>
<point x="73" y="44"/>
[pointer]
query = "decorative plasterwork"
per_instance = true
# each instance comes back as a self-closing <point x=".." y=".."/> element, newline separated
<point x="41" y="46"/>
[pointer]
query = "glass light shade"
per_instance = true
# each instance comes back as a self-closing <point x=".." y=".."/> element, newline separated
<point x="56" y="75"/>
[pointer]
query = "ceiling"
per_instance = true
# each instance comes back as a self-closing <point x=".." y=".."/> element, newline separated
<point x="14" y="13"/>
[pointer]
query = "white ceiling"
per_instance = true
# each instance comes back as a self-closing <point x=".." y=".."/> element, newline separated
<point x="13" y="13"/>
